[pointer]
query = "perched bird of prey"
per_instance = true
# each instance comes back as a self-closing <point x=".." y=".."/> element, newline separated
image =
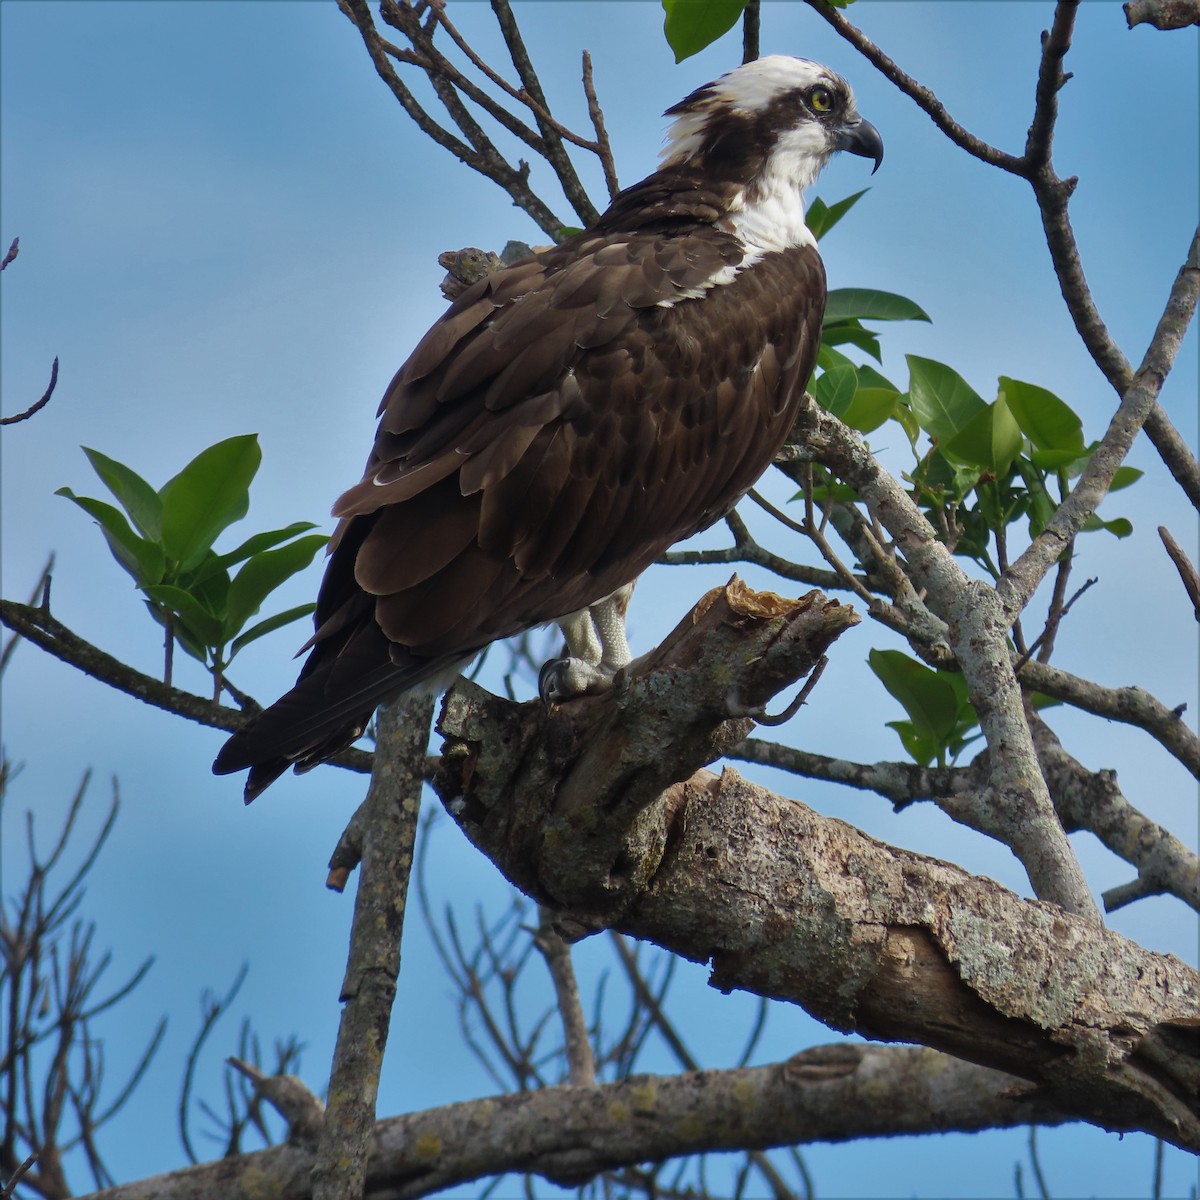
<point x="574" y="414"/>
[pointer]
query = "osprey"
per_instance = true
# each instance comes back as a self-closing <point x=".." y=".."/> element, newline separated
<point x="573" y="415"/>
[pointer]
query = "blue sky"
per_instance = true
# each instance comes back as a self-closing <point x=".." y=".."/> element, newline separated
<point x="227" y="226"/>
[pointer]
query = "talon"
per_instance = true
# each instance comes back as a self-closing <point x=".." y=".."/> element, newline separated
<point x="563" y="679"/>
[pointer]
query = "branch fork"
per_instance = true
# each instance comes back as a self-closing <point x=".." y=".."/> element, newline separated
<point x="576" y="803"/>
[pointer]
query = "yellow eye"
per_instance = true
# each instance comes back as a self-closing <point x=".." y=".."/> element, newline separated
<point x="820" y="99"/>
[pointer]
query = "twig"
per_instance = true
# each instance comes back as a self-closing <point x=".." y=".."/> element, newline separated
<point x="39" y="589"/>
<point x="751" y="26"/>
<point x="13" y="251"/>
<point x="289" y="1096"/>
<point x="1021" y="580"/>
<point x="1129" y="705"/>
<point x="581" y="1062"/>
<point x="493" y="166"/>
<point x="603" y="145"/>
<point x="918" y="93"/>
<point x="369" y="987"/>
<point x="1057" y="612"/>
<point x="554" y="152"/>
<point x="38" y="626"/>
<point x="1187" y="572"/>
<point x="37" y="405"/>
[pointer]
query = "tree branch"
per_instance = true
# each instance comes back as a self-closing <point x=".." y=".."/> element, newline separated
<point x="568" y="1134"/>
<point x="38" y="626"/>
<point x="788" y="904"/>
<point x="392" y="810"/>
<point x="1020" y="810"/>
<point x="1020" y="581"/>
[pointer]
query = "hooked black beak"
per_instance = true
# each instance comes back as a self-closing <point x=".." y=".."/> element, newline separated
<point x="862" y="138"/>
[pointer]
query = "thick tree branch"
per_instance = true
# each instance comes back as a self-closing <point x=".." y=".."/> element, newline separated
<point x="1092" y="800"/>
<point x="788" y="904"/>
<point x="1020" y="810"/>
<point x="569" y="1134"/>
<point x="1163" y="14"/>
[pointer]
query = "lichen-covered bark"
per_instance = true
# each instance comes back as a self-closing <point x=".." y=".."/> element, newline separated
<point x="600" y="810"/>
<point x="568" y="1133"/>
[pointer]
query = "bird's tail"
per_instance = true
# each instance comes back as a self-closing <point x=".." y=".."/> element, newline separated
<point x="325" y="712"/>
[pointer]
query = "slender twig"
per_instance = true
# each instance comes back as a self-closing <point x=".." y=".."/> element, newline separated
<point x="918" y="93"/>
<point x="596" y="113"/>
<point x="369" y="987"/>
<point x="1021" y="580"/>
<point x="38" y="626"/>
<point x="581" y="1062"/>
<point x="12" y="253"/>
<point x="1058" y="610"/>
<point x="1187" y="572"/>
<point x="513" y="180"/>
<point x="37" y="405"/>
<point x="555" y="153"/>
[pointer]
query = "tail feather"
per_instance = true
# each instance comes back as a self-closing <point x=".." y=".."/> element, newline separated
<point x="325" y="712"/>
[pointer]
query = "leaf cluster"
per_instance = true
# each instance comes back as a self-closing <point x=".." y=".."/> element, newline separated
<point x="979" y="468"/>
<point x="164" y="539"/>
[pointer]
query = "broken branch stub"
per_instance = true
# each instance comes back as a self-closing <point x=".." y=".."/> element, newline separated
<point x="575" y="804"/>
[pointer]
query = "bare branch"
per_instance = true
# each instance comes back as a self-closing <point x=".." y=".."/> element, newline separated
<point x="596" y="113"/>
<point x="39" y="627"/>
<point x="13" y="251"/>
<point x="918" y="93"/>
<point x="1021" y="580"/>
<point x="1091" y="800"/>
<point x="830" y="1093"/>
<point x="393" y="807"/>
<point x="581" y="1063"/>
<point x="977" y="630"/>
<point x="37" y="405"/>
<point x="1187" y="572"/>
<point x="1129" y="705"/>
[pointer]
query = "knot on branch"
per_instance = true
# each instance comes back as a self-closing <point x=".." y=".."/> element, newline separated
<point x="577" y="804"/>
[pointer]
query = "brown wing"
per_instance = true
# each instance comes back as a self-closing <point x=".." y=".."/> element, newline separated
<point x="564" y="422"/>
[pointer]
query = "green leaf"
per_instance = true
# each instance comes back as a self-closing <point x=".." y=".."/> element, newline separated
<point x="921" y="748"/>
<point x="931" y="701"/>
<point x="264" y="541"/>
<point x="203" y="626"/>
<point x="1044" y="419"/>
<point x="828" y="358"/>
<point x="821" y="217"/>
<point x="838" y="333"/>
<point x="870" y="304"/>
<point x="1057" y="460"/>
<point x="835" y="389"/>
<point x="990" y="440"/>
<point x="210" y="493"/>
<point x="278" y="621"/>
<point x="262" y="574"/>
<point x="137" y="497"/>
<point x="1119" y="526"/>
<point x="140" y="558"/>
<point x="942" y="401"/>
<point x="690" y="25"/>
<point x="1123" y="477"/>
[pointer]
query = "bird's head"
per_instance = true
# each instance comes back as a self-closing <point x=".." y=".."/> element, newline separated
<point x="776" y="118"/>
